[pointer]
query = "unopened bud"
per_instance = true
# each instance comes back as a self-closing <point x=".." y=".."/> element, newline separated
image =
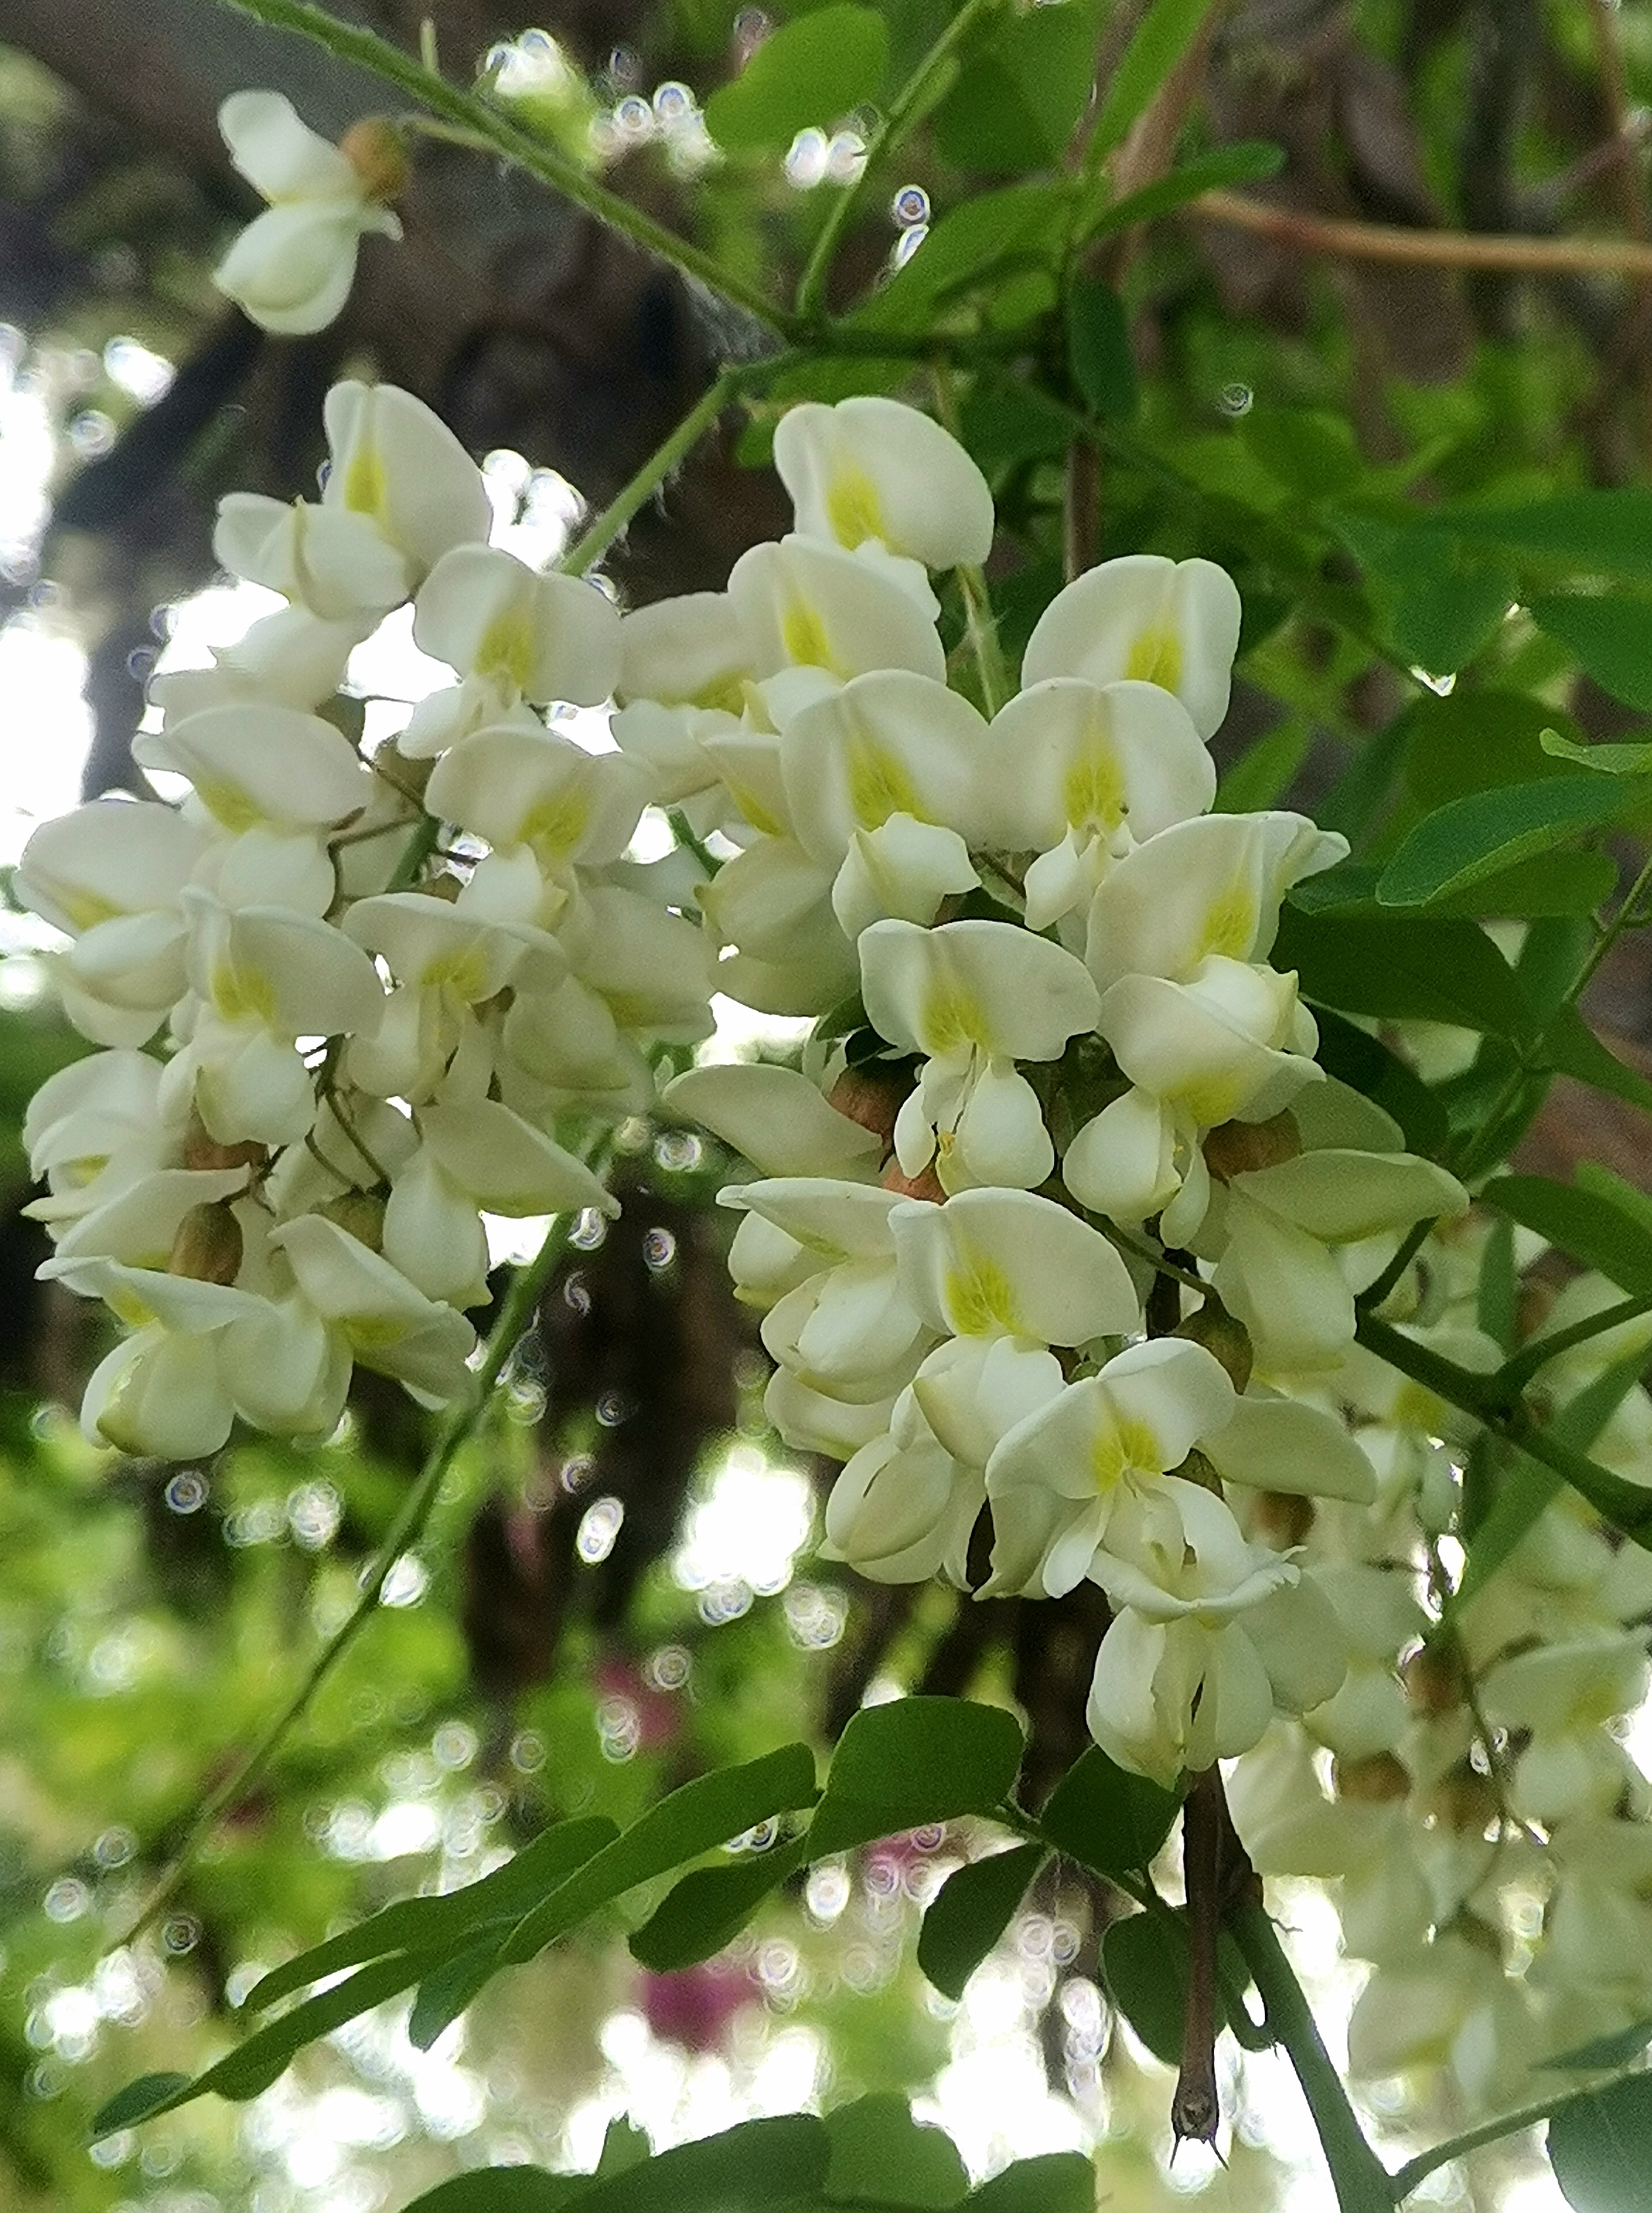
<point x="924" y="1184"/>
<point x="377" y="152"/>
<point x="1434" y="1678"/>
<point x="1465" y="1801"/>
<point x="1218" y="1330"/>
<point x="201" y="1151"/>
<point x="1234" y="1147"/>
<point x="1381" y="1780"/>
<point x="360" y="1214"/>
<point x="870" y="1098"/>
<point x="208" y="1245"/>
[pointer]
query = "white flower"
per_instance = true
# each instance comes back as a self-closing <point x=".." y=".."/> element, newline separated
<point x="292" y="269"/>
<point x="871" y="471"/>
<point x="776" y="1117"/>
<point x="802" y="604"/>
<point x="973" y="998"/>
<point x="388" y="1324"/>
<point x="903" y="1508"/>
<point x="1170" y="623"/>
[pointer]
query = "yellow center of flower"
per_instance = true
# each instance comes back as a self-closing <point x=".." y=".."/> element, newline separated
<point x="462" y="972"/>
<point x="1229" y="923"/>
<point x="1155" y="658"/>
<point x="979" y="1300"/>
<point x="227" y="803"/>
<point x="853" y="508"/>
<point x="240" y="994"/>
<point x="1092" y="796"/>
<point x="879" y="785"/>
<point x="506" y="653"/>
<point x="953" y="1019"/>
<point x="554" y="827"/>
<point x="85" y="910"/>
<point x="364" y="482"/>
<point x="1122" y="1448"/>
<point x="803" y="636"/>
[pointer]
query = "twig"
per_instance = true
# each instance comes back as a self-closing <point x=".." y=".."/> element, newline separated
<point x="1439" y="249"/>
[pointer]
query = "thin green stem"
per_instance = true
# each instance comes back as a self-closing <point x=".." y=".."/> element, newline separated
<point x="594" y="543"/>
<point x="1362" y="2183"/>
<point x="1412" y="1243"/>
<point x="459" y="1424"/>
<point x="1418" y="2170"/>
<point x="471" y="112"/>
<point x="980" y="620"/>
<point x="1517" y="1372"/>
<point x="907" y="108"/>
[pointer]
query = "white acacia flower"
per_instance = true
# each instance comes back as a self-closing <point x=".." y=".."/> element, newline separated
<point x="805" y="604"/>
<point x="776" y="1118"/>
<point x="903" y="1508"/>
<point x="973" y="998"/>
<point x="1081" y="773"/>
<point x="388" y="1324"/>
<point x="95" y="1128"/>
<point x="513" y="634"/>
<point x="1171" y="623"/>
<point x="288" y="659"/>
<point x="161" y="1392"/>
<point x="522" y="788"/>
<point x="870" y="472"/>
<point x="111" y="874"/>
<point x="291" y="270"/>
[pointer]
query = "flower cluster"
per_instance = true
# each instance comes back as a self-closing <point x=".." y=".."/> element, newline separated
<point x="1488" y="1832"/>
<point x="372" y="1015"/>
<point x="1025" y="939"/>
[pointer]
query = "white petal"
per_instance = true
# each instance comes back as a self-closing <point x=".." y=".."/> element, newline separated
<point x="281" y="157"/>
<point x="1175" y="624"/>
<point x="870" y="468"/>
<point x="506" y="1165"/>
<point x="887" y="744"/>
<point x="394" y="459"/>
<point x="805" y="604"/>
<point x="1123" y="1162"/>
<point x="433" y="1233"/>
<point x="488" y="614"/>
<point x="1095" y="759"/>
<point x="776" y="1118"/>
<point x="1344" y="1195"/>
<point x="984" y="984"/>
<point x="1281" y="1444"/>
<point x="991" y="1263"/>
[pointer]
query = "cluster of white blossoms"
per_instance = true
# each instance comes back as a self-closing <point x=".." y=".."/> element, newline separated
<point x="1487" y="1829"/>
<point x="1049" y="1050"/>
<point x="370" y="1017"/>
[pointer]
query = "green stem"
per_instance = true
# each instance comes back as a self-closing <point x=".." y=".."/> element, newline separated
<point x="471" y="112"/>
<point x="1412" y="1243"/>
<point x="980" y="620"/>
<point x="1362" y="2183"/>
<point x="1418" y="2170"/>
<point x="594" y="543"/>
<point x="1517" y="1373"/>
<point x="514" y="1313"/>
<point x="906" y="109"/>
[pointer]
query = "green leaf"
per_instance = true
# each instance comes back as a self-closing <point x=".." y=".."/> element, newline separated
<point x="710" y="1906"/>
<point x="1310" y="453"/>
<point x="1098" y="352"/>
<point x="971" y="243"/>
<point x="1605" y="760"/>
<point x="1400" y="970"/>
<point x="1264" y="771"/>
<point x="1160" y="40"/>
<point x="148" y="2094"/>
<point x="1476" y="837"/>
<point x="1600" y="2148"/>
<point x="1365" y="1064"/>
<point x="1244" y="162"/>
<point x="1106" y="1819"/>
<point x="1585" y="1223"/>
<point x="424" y="1925"/>
<point x="812" y="71"/>
<point x="912" y="1761"/>
<point x="1053" y="2182"/>
<point x="1571" y="1048"/>
<point x="1497" y="1299"/>
<point x="448" y="1988"/>
<point x="1144" y="1966"/>
<point x="970" y="1913"/>
<point x="501" y="2190"/>
<point x="1438" y="606"/>
<point x="1021" y="92"/>
<point x="753" y="2168"/>
<point x="1611" y="637"/>
<point x="1614" y="2050"/>
<point x="1565" y="883"/>
<point x="623" y="2148"/>
<point x="881" y="2156"/>
<point x="1006" y="425"/>
<point x="1474" y="742"/>
<point x="701" y="1815"/>
<point x="1600" y="532"/>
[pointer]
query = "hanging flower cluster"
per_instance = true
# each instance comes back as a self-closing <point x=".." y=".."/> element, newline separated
<point x="1489" y="1833"/>
<point x="368" y="1032"/>
<point x="1047" y="1034"/>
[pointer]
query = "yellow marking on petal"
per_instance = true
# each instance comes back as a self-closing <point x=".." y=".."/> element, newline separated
<point x="879" y="785"/>
<point x="1122" y="1448"/>
<point x="953" y="1019"/>
<point x="726" y="695"/>
<point x="1155" y="658"/>
<point x="227" y="804"/>
<point x="1092" y="796"/>
<point x="979" y="1300"/>
<point x="364" y="482"/>
<point x="86" y="910"/>
<point x="630" y="1010"/>
<point x="238" y="993"/>
<point x="752" y="807"/>
<point x="1229" y="923"/>
<point x="506" y="653"/>
<point x="374" y="1333"/>
<point x="853" y="508"/>
<point x="803" y="636"/>
<point x="463" y="972"/>
<point x="555" y="826"/>
<point x="126" y="1306"/>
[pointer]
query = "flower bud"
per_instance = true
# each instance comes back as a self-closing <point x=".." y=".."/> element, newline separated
<point x="1434" y="1678"/>
<point x="202" y="1151"/>
<point x="208" y="1245"/>
<point x="1218" y="1330"/>
<point x="377" y="152"/>
<point x="1233" y="1148"/>
<point x="360" y="1214"/>
<point x="1378" y="1781"/>
<point x="870" y="1098"/>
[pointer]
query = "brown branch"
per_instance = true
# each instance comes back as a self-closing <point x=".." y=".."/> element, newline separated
<point x="1631" y="197"/>
<point x="1439" y="249"/>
